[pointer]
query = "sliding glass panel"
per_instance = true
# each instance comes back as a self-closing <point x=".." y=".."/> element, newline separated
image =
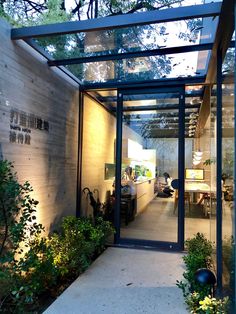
<point x="149" y="204"/>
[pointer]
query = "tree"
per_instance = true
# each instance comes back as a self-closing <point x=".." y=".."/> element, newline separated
<point x="146" y="37"/>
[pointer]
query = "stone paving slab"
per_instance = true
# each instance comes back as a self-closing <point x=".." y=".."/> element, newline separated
<point x="126" y="281"/>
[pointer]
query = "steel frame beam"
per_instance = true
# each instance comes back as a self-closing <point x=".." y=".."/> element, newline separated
<point x="155" y="83"/>
<point x="130" y="55"/>
<point x="118" y="21"/>
<point x="158" y="107"/>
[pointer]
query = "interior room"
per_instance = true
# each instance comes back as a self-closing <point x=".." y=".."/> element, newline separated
<point x="150" y="151"/>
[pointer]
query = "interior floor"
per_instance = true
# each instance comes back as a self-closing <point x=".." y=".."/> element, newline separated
<point x="159" y="222"/>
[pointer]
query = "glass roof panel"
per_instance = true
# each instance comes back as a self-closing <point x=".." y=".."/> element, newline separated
<point x="188" y="64"/>
<point x="132" y="39"/>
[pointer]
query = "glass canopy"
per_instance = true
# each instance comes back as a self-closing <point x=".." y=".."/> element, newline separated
<point x="153" y="45"/>
<point x="131" y="39"/>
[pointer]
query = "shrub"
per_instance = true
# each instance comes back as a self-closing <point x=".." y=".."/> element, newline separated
<point x="207" y="305"/>
<point x="199" y="245"/>
<point x="31" y="264"/>
<point x="26" y="266"/>
<point x="79" y="242"/>
<point x="199" y="251"/>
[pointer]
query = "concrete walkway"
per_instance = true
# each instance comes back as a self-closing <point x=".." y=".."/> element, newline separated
<point x="126" y="281"/>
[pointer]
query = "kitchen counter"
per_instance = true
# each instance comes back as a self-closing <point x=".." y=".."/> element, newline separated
<point x="143" y="181"/>
<point x="145" y="193"/>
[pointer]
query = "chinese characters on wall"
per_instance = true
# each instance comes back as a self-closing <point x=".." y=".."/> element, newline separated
<point x="21" y="125"/>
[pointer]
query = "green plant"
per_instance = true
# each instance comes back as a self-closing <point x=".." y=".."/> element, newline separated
<point x="79" y="242"/>
<point x="199" y="245"/>
<point x="207" y="305"/>
<point x="31" y="264"/>
<point x="26" y="266"/>
<point x="199" y="251"/>
<point x="210" y="161"/>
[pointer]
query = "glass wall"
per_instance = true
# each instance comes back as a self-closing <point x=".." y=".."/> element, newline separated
<point x="197" y="169"/>
<point x="149" y="204"/>
<point x="212" y="162"/>
<point x="228" y="144"/>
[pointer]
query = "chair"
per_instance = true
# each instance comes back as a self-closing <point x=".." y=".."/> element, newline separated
<point x="186" y="198"/>
<point x="128" y="207"/>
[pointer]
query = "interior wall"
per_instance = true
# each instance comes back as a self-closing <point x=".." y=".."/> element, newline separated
<point x="203" y="143"/>
<point x="99" y="132"/>
<point x="39" y="128"/>
<point x="167" y="152"/>
<point x="99" y="135"/>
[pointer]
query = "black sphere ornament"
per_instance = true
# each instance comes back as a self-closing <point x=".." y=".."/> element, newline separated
<point x="205" y="276"/>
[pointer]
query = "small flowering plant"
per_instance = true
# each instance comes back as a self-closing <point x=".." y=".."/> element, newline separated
<point x="208" y="305"/>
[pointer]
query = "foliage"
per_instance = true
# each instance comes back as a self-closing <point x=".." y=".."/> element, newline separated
<point x="27" y="12"/>
<point x="31" y="264"/>
<point x="208" y="162"/>
<point x="199" y="256"/>
<point x="197" y="296"/>
<point x="207" y="305"/>
<point x="78" y="243"/>
<point x="20" y="13"/>
<point x="26" y="266"/>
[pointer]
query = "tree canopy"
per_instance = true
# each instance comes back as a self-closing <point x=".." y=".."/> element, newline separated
<point x="145" y="37"/>
<point x="28" y="11"/>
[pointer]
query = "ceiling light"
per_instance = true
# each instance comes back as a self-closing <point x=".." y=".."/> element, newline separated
<point x="197" y="158"/>
<point x="193" y="115"/>
<point x="198" y="153"/>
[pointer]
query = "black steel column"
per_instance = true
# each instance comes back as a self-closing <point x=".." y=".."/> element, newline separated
<point x="79" y="158"/>
<point x="234" y="222"/>
<point x="181" y="167"/>
<point x="119" y="114"/>
<point x="219" y="172"/>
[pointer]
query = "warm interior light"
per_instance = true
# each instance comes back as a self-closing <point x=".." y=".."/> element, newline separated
<point x="197" y="158"/>
<point x="198" y="153"/>
<point x="195" y="163"/>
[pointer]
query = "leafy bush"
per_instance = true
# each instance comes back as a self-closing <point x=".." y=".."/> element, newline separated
<point x="199" y="256"/>
<point x="199" y="245"/>
<point x="207" y="305"/>
<point x="79" y="242"/>
<point x="31" y="264"/>
<point x="26" y="264"/>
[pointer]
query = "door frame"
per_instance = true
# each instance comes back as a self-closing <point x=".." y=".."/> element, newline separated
<point x="173" y="246"/>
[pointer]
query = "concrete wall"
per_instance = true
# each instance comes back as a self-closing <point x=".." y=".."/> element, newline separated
<point x="167" y="153"/>
<point x="33" y="97"/>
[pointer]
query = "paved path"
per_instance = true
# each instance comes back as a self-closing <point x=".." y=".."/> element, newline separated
<point x="126" y="281"/>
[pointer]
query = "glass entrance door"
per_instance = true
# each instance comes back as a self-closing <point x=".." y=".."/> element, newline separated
<point x="150" y="175"/>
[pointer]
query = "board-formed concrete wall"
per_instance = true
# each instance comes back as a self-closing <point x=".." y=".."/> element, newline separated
<point x="39" y="128"/>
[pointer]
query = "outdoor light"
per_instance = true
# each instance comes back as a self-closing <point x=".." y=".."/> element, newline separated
<point x="192" y="127"/>
<point x="205" y="276"/>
